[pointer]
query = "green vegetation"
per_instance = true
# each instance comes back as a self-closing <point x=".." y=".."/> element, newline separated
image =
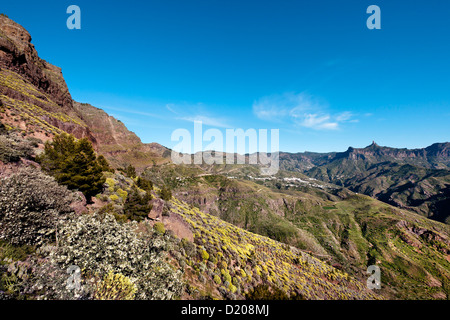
<point x="265" y="292"/>
<point x="144" y="184"/>
<point x="101" y="245"/>
<point x="103" y="163"/>
<point x="115" y="287"/>
<point x="241" y="253"/>
<point x="165" y="193"/>
<point x="159" y="228"/>
<point x="129" y="171"/>
<point x="74" y="164"/>
<point x="137" y="205"/>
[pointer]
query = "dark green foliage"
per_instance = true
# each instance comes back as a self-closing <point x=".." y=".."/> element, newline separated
<point x="114" y="210"/>
<point x="129" y="171"/>
<point x="3" y="129"/>
<point x="189" y="247"/>
<point x="165" y="193"/>
<point x="137" y="206"/>
<point x="104" y="164"/>
<point x="74" y="164"/>
<point x="159" y="228"/>
<point x="144" y="184"/>
<point x="15" y="253"/>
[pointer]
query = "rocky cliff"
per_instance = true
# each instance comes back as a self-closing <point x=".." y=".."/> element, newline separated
<point x="35" y="99"/>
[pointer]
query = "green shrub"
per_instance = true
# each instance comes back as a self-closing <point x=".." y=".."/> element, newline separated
<point x="103" y="163"/>
<point x="115" y="287"/>
<point x="217" y="279"/>
<point x="188" y="247"/>
<point x="14" y="253"/>
<point x="159" y="227"/>
<point x="123" y="194"/>
<point x="129" y="171"/>
<point x="204" y="254"/>
<point x="114" y="197"/>
<point x="144" y="184"/>
<point x="12" y="149"/>
<point x="266" y="292"/>
<point x="165" y="193"/>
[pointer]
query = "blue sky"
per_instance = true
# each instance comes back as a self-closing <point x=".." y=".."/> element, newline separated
<point x="309" y="68"/>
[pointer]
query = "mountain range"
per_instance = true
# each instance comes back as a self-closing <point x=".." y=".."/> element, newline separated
<point x="416" y="179"/>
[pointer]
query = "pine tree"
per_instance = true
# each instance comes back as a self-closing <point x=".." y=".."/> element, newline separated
<point x="130" y="171"/>
<point x="104" y="164"/>
<point x="165" y="193"/>
<point x="74" y="164"/>
<point x="144" y="184"/>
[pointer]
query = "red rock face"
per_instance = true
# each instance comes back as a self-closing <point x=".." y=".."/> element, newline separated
<point x="18" y="54"/>
<point x="48" y="91"/>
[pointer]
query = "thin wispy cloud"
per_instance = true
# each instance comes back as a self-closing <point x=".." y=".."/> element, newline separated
<point x="209" y="121"/>
<point x="300" y="109"/>
<point x="170" y="107"/>
<point x="131" y="111"/>
<point x="196" y="112"/>
<point x="321" y="122"/>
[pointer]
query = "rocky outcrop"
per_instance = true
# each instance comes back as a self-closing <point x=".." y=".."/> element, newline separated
<point x="18" y="54"/>
<point x="34" y="81"/>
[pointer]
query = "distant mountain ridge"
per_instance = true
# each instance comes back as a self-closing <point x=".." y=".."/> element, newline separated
<point x="435" y="156"/>
<point x="415" y="179"/>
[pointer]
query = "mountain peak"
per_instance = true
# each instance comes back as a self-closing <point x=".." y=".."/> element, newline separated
<point x="15" y="32"/>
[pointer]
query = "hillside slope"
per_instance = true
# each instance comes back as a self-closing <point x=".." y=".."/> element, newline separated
<point x="35" y="100"/>
<point x="335" y="225"/>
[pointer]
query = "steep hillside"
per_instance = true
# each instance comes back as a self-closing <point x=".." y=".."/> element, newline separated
<point x="335" y="225"/>
<point x="35" y="100"/>
<point x="172" y="251"/>
<point x="119" y="145"/>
